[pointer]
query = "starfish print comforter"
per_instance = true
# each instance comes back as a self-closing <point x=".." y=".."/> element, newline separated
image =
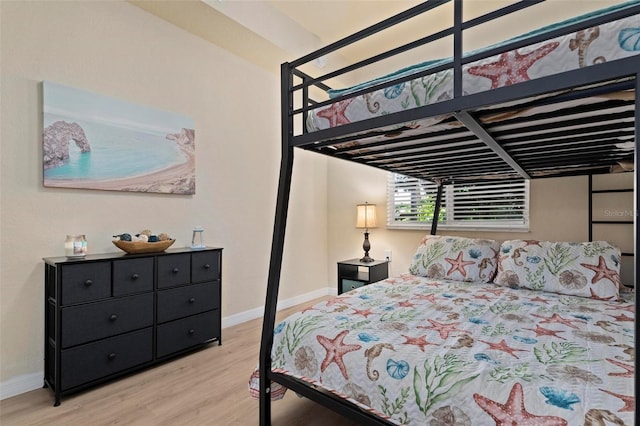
<point x="587" y="47"/>
<point x="420" y="351"/>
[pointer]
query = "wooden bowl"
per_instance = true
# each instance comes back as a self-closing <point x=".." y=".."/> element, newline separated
<point x="143" y="247"/>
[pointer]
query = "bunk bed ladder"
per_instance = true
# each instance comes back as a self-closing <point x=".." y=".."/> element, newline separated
<point x="625" y="218"/>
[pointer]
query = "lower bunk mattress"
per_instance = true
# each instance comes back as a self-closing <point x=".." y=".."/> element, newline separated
<point x="415" y="350"/>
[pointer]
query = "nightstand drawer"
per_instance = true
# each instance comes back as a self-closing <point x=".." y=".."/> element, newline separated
<point x="85" y="282"/>
<point x="205" y="266"/>
<point x="188" y="300"/>
<point x="185" y="333"/>
<point x="95" y="360"/>
<point x="174" y="270"/>
<point x="132" y="276"/>
<point x="348" y="285"/>
<point x="92" y="321"/>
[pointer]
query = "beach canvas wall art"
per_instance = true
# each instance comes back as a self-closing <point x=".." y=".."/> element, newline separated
<point x="92" y="141"/>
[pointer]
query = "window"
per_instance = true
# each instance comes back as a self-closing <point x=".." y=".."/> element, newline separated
<point x="495" y="205"/>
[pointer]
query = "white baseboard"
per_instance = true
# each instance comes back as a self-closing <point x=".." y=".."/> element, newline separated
<point x="21" y="384"/>
<point x="28" y="382"/>
<point x="245" y="316"/>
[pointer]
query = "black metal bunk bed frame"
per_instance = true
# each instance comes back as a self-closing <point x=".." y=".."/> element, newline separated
<point x="622" y="74"/>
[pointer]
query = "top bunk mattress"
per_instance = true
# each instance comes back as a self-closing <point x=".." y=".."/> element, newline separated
<point x="591" y="46"/>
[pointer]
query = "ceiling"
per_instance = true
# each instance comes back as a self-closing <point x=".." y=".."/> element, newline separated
<point x="270" y="32"/>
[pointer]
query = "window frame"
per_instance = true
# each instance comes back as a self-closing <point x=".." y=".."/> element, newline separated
<point x="447" y="216"/>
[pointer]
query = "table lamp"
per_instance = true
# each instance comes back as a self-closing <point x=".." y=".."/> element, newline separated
<point x="366" y="218"/>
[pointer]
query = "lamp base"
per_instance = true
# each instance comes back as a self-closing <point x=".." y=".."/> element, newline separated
<point x="366" y="246"/>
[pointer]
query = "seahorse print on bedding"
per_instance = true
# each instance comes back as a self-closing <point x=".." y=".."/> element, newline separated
<point x="372" y="107"/>
<point x="582" y="41"/>
<point x="372" y="353"/>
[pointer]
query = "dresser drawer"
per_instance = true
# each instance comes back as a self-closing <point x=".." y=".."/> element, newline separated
<point x="132" y="276"/>
<point x="187" y="332"/>
<point x="94" y="321"/>
<point x="95" y="360"/>
<point x="205" y="266"/>
<point x="188" y="300"/>
<point x="174" y="270"/>
<point x="85" y="282"/>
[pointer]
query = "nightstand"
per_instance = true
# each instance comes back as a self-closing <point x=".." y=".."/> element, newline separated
<point x="353" y="273"/>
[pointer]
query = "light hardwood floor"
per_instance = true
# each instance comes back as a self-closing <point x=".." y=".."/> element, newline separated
<point x="207" y="387"/>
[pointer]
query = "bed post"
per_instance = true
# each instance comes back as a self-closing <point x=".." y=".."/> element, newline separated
<point x="436" y="210"/>
<point x="277" y="245"/>
<point x="636" y="244"/>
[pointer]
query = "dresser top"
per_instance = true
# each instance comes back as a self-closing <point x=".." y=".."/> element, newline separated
<point x="121" y="255"/>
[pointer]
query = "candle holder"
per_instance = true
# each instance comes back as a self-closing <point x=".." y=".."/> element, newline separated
<point x="197" y="239"/>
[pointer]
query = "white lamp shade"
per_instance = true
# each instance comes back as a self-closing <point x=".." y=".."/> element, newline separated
<point x="366" y="216"/>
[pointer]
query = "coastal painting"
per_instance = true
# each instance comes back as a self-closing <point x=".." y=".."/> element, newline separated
<point x="92" y="141"/>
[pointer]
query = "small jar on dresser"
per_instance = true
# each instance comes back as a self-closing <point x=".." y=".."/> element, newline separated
<point x="112" y="314"/>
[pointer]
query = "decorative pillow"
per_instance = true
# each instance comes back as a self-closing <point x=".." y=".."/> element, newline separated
<point x="456" y="258"/>
<point x="578" y="269"/>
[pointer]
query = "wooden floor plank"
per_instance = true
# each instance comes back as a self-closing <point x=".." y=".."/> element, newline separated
<point x="207" y="387"/>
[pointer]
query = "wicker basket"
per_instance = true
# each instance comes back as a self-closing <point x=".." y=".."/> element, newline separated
<point x="143" y="247"/>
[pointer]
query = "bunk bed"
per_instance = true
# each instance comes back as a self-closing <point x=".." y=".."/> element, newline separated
<point x="510" y="123"/>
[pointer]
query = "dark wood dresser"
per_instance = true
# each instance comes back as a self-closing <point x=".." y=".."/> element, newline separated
<point x="111" y="314"/>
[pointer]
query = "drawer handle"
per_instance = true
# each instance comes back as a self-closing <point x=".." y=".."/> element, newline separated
<point x="112" y="356"/>
<point x="192" y="331"/>
<point x="113" y="317"/>
<point x="135" y="276"/>
<point x="207" y="266"/>
<point x="192" y="300"/>
<point x="175" y="270"/>
<point x="88" y="283"/>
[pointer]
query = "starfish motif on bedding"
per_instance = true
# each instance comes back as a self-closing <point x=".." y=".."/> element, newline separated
<point x="482" y="296"/>
<point x="365" y="313"/>
<point x="336" y="300"/>
<point x="443" y="329"/>
<point x="531" y="243"/>
<point x="628" y="308"/>
<point x="406" y="304"/>
<point x="622" y="318"/>
<point x="511" y="67"/>
<point x="602" y="272"/>
<point x="513" y="412"/>
<point x="495" y="291"/>
<point x="421" y="341"/>
<point x="502" y="346"/>
<point x="538" y="299"/>
<point x="629" y="400"/>
<point x="630" y="369"/>
<point x="541" y="331"/>
<point x="555" y="318"/>
<point x="594" y="296"/>
<point x="336" y="113"/>
<point x="458" y="264"/>
<point x="336" y="349"/>
<point x="431" y="297"/>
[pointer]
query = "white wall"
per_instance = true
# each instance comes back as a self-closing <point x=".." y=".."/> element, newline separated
<point x="117" y="49"/>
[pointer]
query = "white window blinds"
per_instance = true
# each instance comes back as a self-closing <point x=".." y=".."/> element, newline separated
<point x="496" y="205"/>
